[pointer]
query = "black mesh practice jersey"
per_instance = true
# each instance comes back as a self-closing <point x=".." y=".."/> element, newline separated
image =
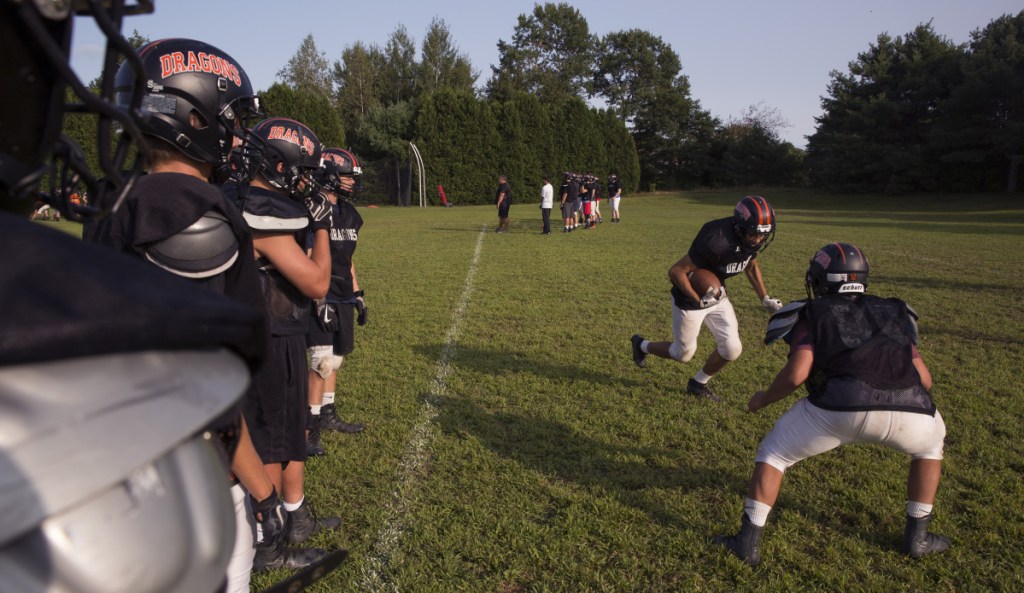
<point x="717" y="248"/>
<point x="344" y="235"/>
<point x="269" y="212"/>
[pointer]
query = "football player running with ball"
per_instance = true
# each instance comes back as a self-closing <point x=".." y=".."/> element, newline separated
<point x="726" y="247"/>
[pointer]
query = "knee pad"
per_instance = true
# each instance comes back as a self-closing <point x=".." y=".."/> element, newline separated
<point x="323" y="361"/>
<point x="730" y="349"/>
<point x="680" y="353"/>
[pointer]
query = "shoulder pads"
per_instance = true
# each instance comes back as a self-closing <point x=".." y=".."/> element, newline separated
<point x="274" y="223"/>
<point x="783" y="320"/>
<point x="266" y="211"/>
<point x="204" y="249"/>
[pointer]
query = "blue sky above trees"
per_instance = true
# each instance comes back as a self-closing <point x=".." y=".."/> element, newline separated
<point x="736" y="54"/>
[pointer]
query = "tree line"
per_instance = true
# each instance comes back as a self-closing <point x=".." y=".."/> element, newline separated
<point x="920" y="113"/>
<point x="912" y="113"/>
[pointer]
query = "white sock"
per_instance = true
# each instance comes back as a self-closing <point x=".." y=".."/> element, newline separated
<point x="757" y="511"/>
<point x="328" y="398"/>
<point x="315" y="409"/>
<point x="918" y="510"/>
<point x="291" y="507"/>
<point x="643" y="346"/>
<point x="702" y="377"/>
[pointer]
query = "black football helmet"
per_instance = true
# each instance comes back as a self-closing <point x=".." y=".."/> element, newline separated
<point x="35" y="42"/>
<point x="339" y="163"/>
<point x="754" y="222"/>
<point x="289" y="154"/>
<point x="837" y="268"/>
<point x="197" y="98"/>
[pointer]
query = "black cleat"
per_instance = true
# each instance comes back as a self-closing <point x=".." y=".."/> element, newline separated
<point x="303" y="522"/>
<point x="639" y="356"/>
<point x="314" y="447"/>
<point x="329" y="421"/>
<point x="270" y="555"/>
<point x="746" y="544"/>
<point x="918" y="542"/>
<point x="696" y="388"/>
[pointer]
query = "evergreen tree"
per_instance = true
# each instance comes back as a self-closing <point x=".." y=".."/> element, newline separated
<point x="877" y="118"/>
<point x="981" y="138"/>
<point x="442" y="66"/>
<point x="306" y="106"/>
<point x="457" y="134"/>
<point x="357" y="77"/>
<point x="308" y="70"/>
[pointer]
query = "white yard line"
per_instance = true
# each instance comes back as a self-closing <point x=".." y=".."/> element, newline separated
<point x="375" y="573"/>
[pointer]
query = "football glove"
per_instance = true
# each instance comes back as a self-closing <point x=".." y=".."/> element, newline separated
<point x="319" y="212"/>
<point x="770" y="304"/>
<point x="360" y="309"/>
<point x="269" y="513"/>
<point x="327" y="317"/>
<point x="709" y="299"/>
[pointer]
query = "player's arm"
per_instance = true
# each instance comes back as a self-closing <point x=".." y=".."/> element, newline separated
<point x="922" y="370"/>
<point x="793" y="375"/>
<point x="753" y="273"/>
<point x="355" y="281"/>
<point x="311" y="275"/>
<point x="678" y="275"/>
<point x="501" y="197"/>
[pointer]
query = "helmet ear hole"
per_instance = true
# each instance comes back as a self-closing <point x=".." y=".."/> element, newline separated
<point x="197" y="121"/>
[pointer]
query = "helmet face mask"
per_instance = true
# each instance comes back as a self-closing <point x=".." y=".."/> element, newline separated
<point x="754" y="222"/>
<point x="36" y="41"/>
<point x="837" y="268"/>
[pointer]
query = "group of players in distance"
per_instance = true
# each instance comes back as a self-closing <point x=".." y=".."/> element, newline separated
<point x="855" y="353"/>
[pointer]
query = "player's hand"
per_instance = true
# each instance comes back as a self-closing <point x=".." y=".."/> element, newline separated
<point x="770" y="304"/>
<point x="361" y="310"/>
<point x="269" y="513"/>
<point x="709" y="299"/>
<point x="327" y="317"/>
<point x="319" y="212"/>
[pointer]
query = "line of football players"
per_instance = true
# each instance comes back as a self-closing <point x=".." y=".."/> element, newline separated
<point x="174" y="338"/>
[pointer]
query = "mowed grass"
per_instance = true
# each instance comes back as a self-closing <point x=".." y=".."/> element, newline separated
<point x="530" y="454"/>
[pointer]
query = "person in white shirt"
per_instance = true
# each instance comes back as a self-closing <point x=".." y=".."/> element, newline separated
<point x="547" y="199"/>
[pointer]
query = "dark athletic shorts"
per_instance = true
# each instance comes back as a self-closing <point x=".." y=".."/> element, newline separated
<point x="277" y="404"/>
<point x="342" y="340"/>
<point x="503" y="209"/>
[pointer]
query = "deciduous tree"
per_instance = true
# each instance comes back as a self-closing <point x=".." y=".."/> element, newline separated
<point x="551" y="55"/>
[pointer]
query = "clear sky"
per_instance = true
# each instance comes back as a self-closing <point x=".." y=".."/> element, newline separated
<point x="736" y="53"/>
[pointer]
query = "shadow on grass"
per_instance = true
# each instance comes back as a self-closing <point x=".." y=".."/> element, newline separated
<point x="557" y="450"/>
<point x="865" y="204"/>
<point x="495" y="362"/>
<point x="968" y="288"/>
<point x="935" y="225"/>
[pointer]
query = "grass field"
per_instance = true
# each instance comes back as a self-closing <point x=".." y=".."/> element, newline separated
<point x="512" y="445"/>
